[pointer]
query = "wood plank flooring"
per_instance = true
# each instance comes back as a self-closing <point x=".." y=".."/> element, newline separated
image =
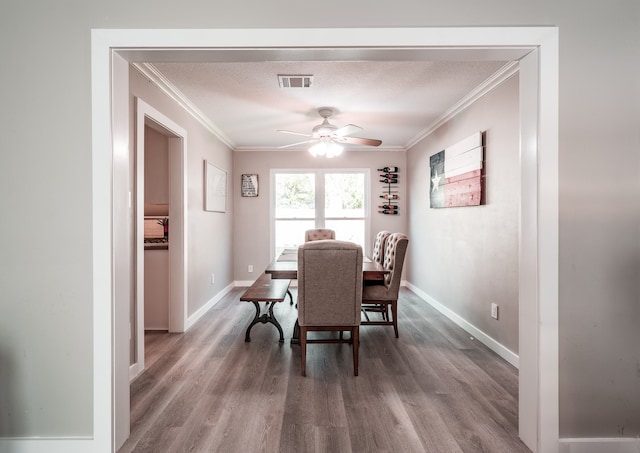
<point x="431" y="390"/>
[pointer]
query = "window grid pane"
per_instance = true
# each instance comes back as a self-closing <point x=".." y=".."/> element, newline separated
<point x="290" y="233"/>
<point x="348" y="230"/>
<point x="295" y="195"/>
<point x="299" y="206"/>
<point x="344" y="195"/>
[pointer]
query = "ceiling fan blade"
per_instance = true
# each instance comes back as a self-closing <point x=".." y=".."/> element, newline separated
<point x="294" y="144"/>
<point x="360" y="141"/>
<point x="294" y="133"/>
<point x="346" y="130"/>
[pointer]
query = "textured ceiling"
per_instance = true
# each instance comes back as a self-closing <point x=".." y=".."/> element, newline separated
<point x="394" y="101"/>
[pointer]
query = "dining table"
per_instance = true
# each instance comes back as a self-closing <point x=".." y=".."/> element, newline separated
<point x="285" y="266"/>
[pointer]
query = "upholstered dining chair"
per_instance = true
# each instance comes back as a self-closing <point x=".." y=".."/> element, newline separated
<point x="318" y="234"/>
<point x="378" y="256"/>
<point x="378" y="246"/>
<point x="373" y="296"/>
<point x="329" y="293"/>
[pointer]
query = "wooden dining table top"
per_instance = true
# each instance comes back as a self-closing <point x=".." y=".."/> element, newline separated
<point x="286" y="266"/>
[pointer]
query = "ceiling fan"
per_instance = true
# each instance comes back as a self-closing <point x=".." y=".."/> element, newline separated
<point x="329" y="138"/>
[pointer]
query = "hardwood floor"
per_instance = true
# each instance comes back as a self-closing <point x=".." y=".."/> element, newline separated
<point x="431" y="390"/>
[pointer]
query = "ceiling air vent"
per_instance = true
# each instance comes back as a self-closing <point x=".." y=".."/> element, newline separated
<point x="295" y="80"/>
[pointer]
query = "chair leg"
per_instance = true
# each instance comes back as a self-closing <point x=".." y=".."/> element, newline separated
<point x="384" y="308"/>
<point x="303" y="350"/>
<point x="355" y="335"/>
<point x="394" y="313"/>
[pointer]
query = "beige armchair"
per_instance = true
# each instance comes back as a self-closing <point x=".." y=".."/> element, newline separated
<point x="319" y="234"/>
<point x="373" y="296"/>
<point x="329" y="293"/>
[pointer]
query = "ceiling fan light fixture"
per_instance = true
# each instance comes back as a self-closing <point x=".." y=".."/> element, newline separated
<point x="330" y="137"/>
<point x="334" y="150"/>
<point x="326" y="147"/>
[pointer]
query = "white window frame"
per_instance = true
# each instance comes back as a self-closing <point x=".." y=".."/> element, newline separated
<point x="319" y="199"/>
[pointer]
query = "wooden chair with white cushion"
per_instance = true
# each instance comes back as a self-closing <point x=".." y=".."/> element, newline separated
<point x="329" y="293"/>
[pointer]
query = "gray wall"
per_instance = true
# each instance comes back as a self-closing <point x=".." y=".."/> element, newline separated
<point x="156" y="167"/>
<point x="45" y="279"/>
<point x="467" y="257"/>
<point x="206" y="253"/>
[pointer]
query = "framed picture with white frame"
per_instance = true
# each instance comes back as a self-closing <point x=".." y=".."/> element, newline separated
<point x="215" y="188"/>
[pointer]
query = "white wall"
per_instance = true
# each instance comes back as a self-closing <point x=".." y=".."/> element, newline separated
<point x="45" y="280"/>
<point x="466" y="258"/>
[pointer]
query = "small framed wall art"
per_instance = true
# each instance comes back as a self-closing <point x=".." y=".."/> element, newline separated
<point x="249" y="185"/>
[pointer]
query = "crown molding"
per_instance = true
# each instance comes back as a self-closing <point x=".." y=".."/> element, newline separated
<point x="500" y="76"/>
<point x="297" y="149"/>
<point x="152" y="73"/>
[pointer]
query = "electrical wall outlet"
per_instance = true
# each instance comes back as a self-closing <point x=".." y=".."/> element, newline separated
<point x="213" y="278"/>
<point x="494" y="311"/>
<point x="250" y="268"/>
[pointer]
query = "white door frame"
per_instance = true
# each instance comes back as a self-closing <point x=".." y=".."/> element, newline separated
<point x="539" y="413"/>
<point x="146" y="115"/>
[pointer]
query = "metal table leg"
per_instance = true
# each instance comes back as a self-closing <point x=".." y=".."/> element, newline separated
<point x="264" y="318"/>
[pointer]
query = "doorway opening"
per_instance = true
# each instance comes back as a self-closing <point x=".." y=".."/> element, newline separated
<point x="149" y="118"/>
<point x="537" y="48"/>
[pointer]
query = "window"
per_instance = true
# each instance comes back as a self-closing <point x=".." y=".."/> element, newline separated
<point x="305" y="199"/>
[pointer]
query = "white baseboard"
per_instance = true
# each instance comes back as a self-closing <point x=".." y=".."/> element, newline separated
<point x="191" y="320"/>
<point x="134" y="371"/>
<point x="600" y="445"/>
<point x="479" y="335"/>
<point x="49" y="445"/>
